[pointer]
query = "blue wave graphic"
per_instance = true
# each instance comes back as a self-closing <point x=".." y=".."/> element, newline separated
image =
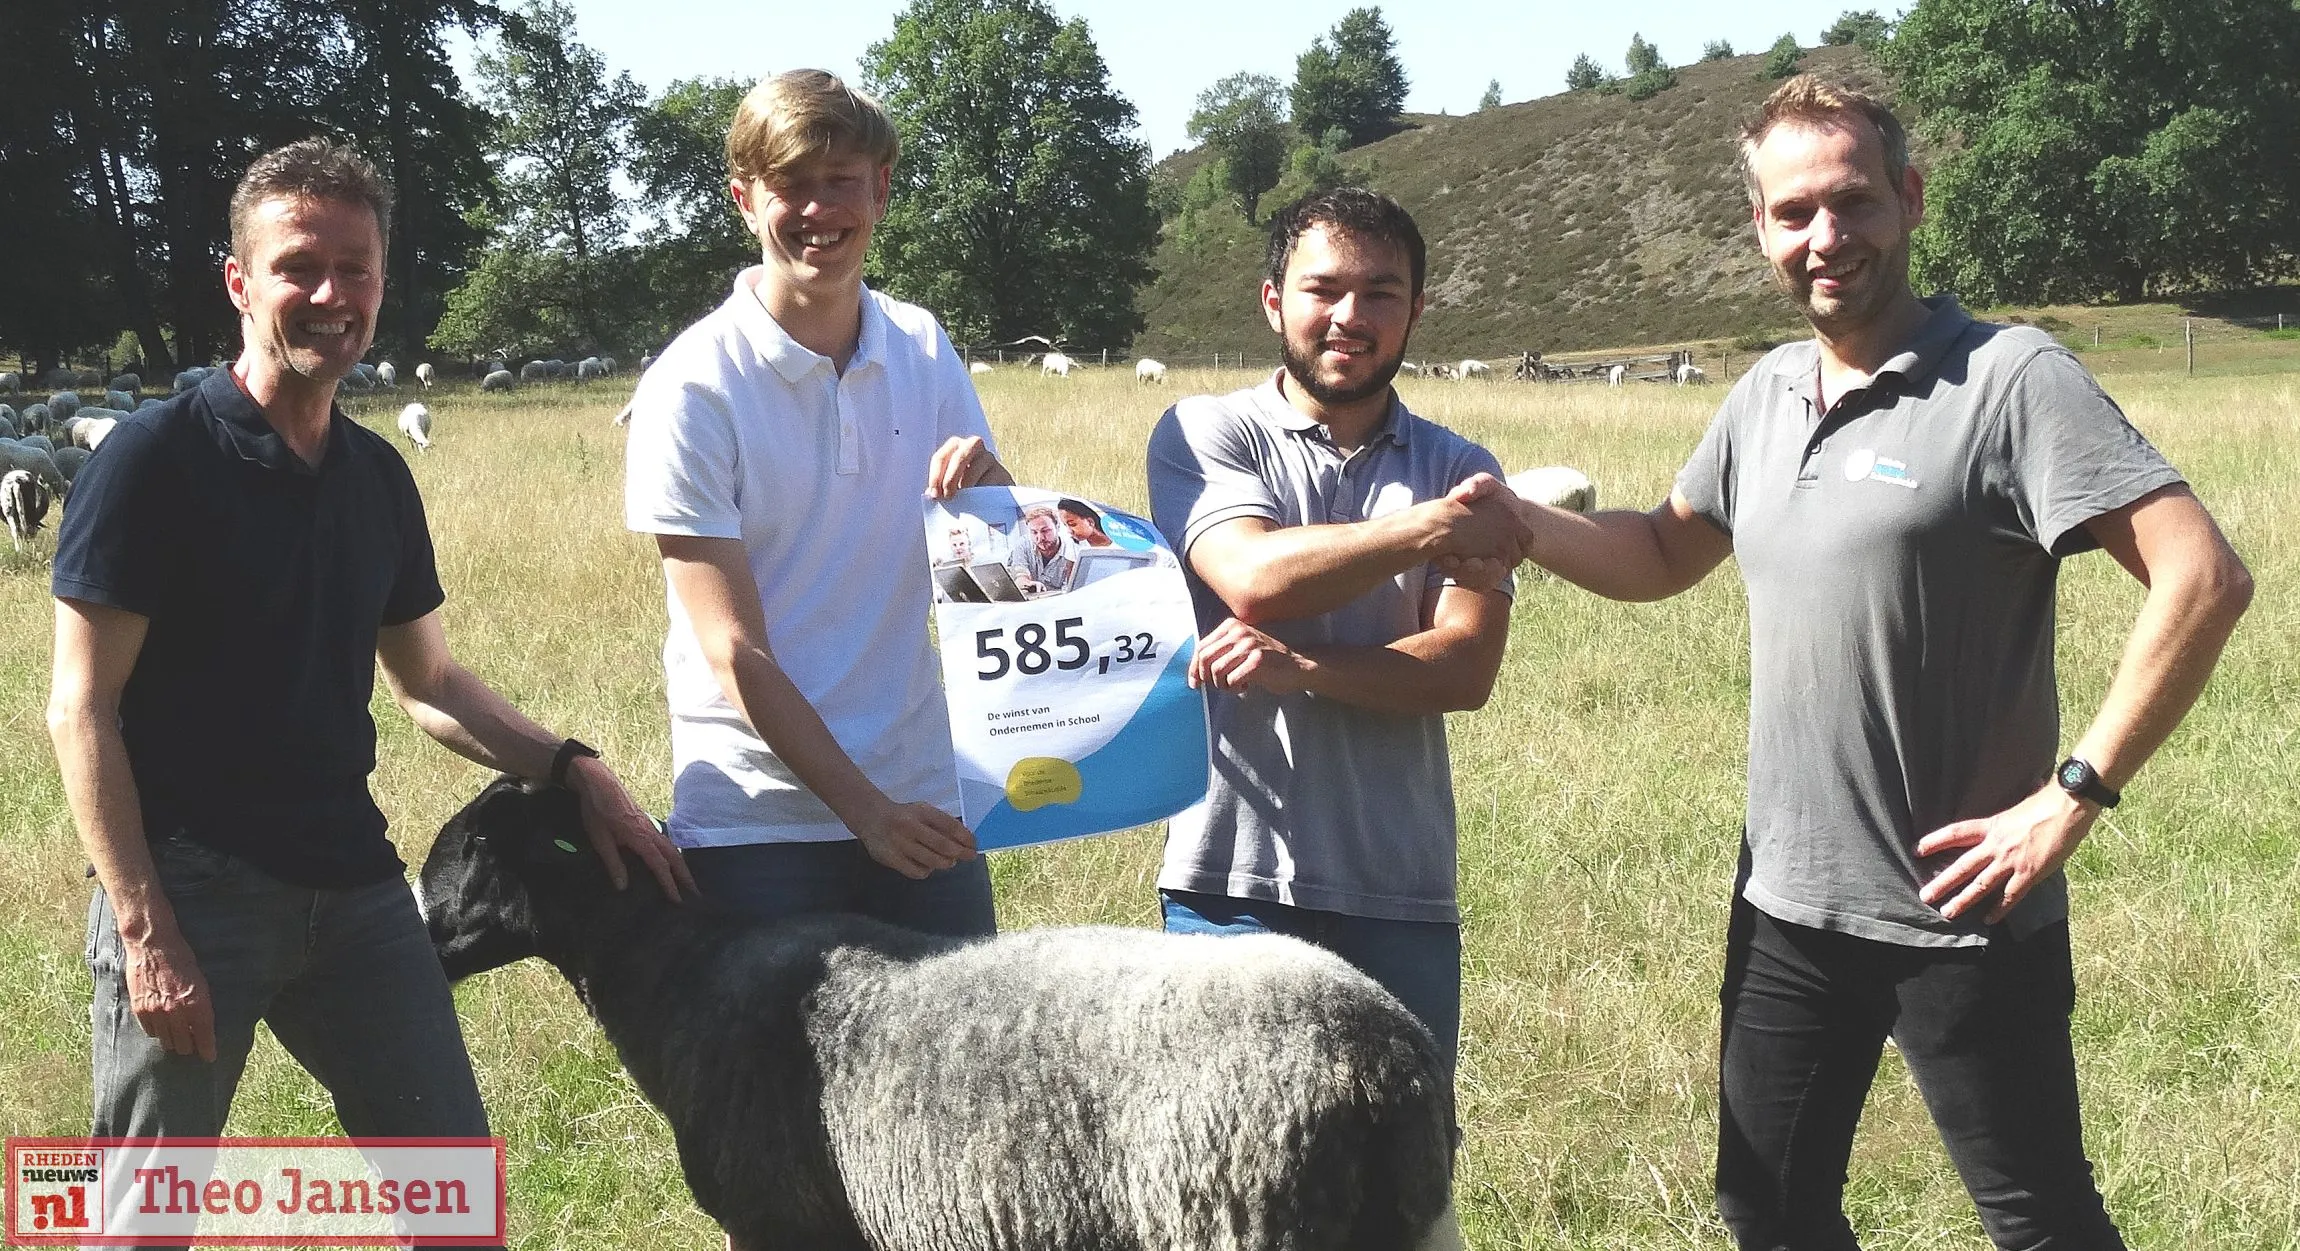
<point x="1150" y="770"/>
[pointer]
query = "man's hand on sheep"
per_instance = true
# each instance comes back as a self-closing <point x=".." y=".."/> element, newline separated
<point x="616" y="825"/>
<point x="962" y="462"/>
<point x="914" y="839"/>
<point x="1237" y="657"/>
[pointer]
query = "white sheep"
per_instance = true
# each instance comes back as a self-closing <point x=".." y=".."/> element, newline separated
<point x="590" y="367"/>
<point x="979" y="367"/>
<point x="415" y="423"/>
<point x="836" y="1083"/>
<point x="1615" y="375"/>
<point x="500" y="380"/>
<point x="424" y="374"/>
<point x="23" y="505"/>
<point x="1557" y="486"/>
<point x="1056" y="363"/>
<point x="646" y="361"/>
<point x="387" y="374"/>
<point x="1473" y="369"/>
<point x="92" y="427"/>
<point x="1148" y="370"/>
<point x="1690" y="373"/>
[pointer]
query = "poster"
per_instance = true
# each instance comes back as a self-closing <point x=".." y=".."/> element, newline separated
<point x="1066" y="633"/>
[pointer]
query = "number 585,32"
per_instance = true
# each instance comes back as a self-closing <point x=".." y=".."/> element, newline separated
<point x="1031" y="655"/>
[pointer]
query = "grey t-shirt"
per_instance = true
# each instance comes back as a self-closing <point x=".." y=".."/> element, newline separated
<point x="1901" y="554"/>
<point x="1313" y="803"/>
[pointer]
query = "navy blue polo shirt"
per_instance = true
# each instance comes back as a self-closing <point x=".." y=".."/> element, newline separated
<point x="265" y="581"/>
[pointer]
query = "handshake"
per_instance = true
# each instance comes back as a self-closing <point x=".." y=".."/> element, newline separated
<point x="1487" y="527"/>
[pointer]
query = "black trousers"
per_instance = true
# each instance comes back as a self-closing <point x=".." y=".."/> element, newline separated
<point x="1984" y="1031"/>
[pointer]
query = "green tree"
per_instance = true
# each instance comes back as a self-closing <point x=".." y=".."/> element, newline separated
<point x="690" y="254"/>
<point x="1643" y="57"/>
<point x="1350" y="77"/>
<point x="1865" y="27"/>
<point x="2110" y="149"/>
<point x="1022" y="200"/>
<point x="1492" y="97"/>
<point x="1585" y="74"/>
<point x="1243" y="120"/>
<point x="1716" y="50"/>
<point x="1782" y="59"/>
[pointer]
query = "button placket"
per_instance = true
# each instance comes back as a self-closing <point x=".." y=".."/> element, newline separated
<point x="850" y="438"/>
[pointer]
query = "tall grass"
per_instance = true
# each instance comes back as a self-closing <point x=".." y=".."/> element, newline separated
<point x="1600" y="794"/>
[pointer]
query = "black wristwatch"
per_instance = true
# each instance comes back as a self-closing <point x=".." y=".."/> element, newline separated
<point x="565" y="756"/>
<point x="2080" y="779"/>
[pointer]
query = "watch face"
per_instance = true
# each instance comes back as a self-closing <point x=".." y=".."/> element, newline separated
<point x="2073" y="774"/>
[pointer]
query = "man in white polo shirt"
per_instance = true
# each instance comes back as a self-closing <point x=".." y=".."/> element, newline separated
<point x="809" y="739"/>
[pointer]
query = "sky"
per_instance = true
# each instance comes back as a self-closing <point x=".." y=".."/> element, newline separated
<point x="1162" y="54"/>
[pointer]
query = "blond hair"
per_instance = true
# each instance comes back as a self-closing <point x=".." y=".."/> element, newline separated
<point x="800" y="115"/>
<point x="1825" y="105"/>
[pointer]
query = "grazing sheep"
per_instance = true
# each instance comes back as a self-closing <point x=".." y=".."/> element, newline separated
<point x="128" y="381"/>
<point x="63" y="404"/>
<point x="424" y="374"/>
<point x="92" y="427"/>
<point x="1615" y="375"/>
<point x="39" y="442"/>
<point x="556" y="368"/>
<point x="12" y="383"/>
<point x="589" y="368"/>
<point x="1557" y="486"/>
<point x="23" y="505"/>
<point x="1473" y="369"/>
<point x="1690" y="373"/>
<point x="69" y="460"/>
<point x="88" y="379"/>
<point x="534" y="371"/>
<point x="608" y="363"/>
<point x="32" y="458"/>
<point x="186" y="379"/>
<point x="120" y="400"/>
<point x="7" y="423"/>
<point x="646" y="362"/>
<point x="838" y="1084"/>
<point x="1440" y="370"/>
<point x="979" y="367"/>
<point x="500" y="380"/>
<point x="1410" y="369"/>
<point x="33" y="419"/>
<point x="415" y="423"/>
<point x="148" y="402"/>
<point x="387" y="374"/>
<point x="1147" y="370"/>
<point x="1056" y="363"/>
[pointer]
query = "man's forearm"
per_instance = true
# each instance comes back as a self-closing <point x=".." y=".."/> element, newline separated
<point x="780" y="715"/>
<point x="468" y="717"/>
<point x="1415" y="676"/>
<point x="108" y="815"/>
<point x="1617" y="553"/>
<point x="2183" y="626"/>
<point x="1300" y="571"/>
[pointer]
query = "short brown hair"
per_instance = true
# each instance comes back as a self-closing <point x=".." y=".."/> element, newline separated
<point x="309" y="169"/>
<point x="1816" y="102"/>
<point x="802" y="114"/>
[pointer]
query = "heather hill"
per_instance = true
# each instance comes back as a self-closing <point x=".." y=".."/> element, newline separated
<point x="1574" y="221"/>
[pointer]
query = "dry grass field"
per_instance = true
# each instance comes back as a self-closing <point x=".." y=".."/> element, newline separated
<point x="1600" y="797"/>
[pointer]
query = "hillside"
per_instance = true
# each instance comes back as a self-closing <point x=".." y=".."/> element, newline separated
<point x="1573" y="221"/>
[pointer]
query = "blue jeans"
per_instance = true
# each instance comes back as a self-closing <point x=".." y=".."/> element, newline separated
<point x="347" y="980"/>
<point x="1418" y="961"/>
<point x="770" y="881"/>
<point x="1984" y="1031"/>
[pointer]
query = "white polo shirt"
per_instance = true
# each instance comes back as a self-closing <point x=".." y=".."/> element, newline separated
<point x="738" y="432"/>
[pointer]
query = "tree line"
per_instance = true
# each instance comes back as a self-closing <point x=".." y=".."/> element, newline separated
<point x="2081" y="150"/>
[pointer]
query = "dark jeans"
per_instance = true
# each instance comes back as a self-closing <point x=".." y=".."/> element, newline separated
<point x="771" y="881"/>
<point x="347" y="980"/>
<point x="1418" y="961"/>
<point x="1984" y="1030"/>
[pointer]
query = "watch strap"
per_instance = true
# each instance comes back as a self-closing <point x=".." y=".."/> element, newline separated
<point x="565" y="756"/>
<point x="2077" y="776"/>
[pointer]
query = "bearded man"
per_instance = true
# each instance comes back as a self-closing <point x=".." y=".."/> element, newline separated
<point x="1317" y="520"/>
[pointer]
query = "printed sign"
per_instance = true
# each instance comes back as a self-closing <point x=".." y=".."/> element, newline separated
<point x="255" y="1192"/>
<point x="1066" y="636"/>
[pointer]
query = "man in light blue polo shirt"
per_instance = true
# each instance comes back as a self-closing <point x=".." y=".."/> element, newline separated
<point x="1899" y="493"/>
<point x="1310" y="512"/>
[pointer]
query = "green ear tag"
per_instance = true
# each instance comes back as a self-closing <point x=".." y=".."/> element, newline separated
<point x="565" y="846"/>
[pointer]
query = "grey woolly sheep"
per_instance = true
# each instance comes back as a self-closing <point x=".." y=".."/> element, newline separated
<point x="12" y="383"/>
<point x="7" y="423"/>
<point x="842" y="1085"/>
<point x="120" y="400"/>
<point x="534" y="371"/>
<point x="69" y="460"/>
<point x="500" y="380"/>
<point x="87" y="378"/>
<point x="186" y="379"/>
<point x="588" y="368"/>
<point x="63" y="404"/>
<point x="34" y="419"/>
<point x="34" y="459"/>
<point x="127" y="381"/>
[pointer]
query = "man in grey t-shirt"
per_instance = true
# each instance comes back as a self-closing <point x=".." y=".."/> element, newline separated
<point x="1308" y="512"/>
<point x="1899" y="493"/>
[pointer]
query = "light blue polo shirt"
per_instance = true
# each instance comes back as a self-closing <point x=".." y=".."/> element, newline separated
<point x="1901" y="553"/>
<point x="1312" y="802"/>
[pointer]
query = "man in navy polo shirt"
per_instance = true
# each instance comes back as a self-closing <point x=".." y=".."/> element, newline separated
<point x="231" y="569"/>
<point x="1899" y="493"/>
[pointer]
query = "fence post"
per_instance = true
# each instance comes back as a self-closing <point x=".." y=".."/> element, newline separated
<point x="1106" y="356"/>
<point x="2096" y="336"/>
<point x="2188" y="328"/>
